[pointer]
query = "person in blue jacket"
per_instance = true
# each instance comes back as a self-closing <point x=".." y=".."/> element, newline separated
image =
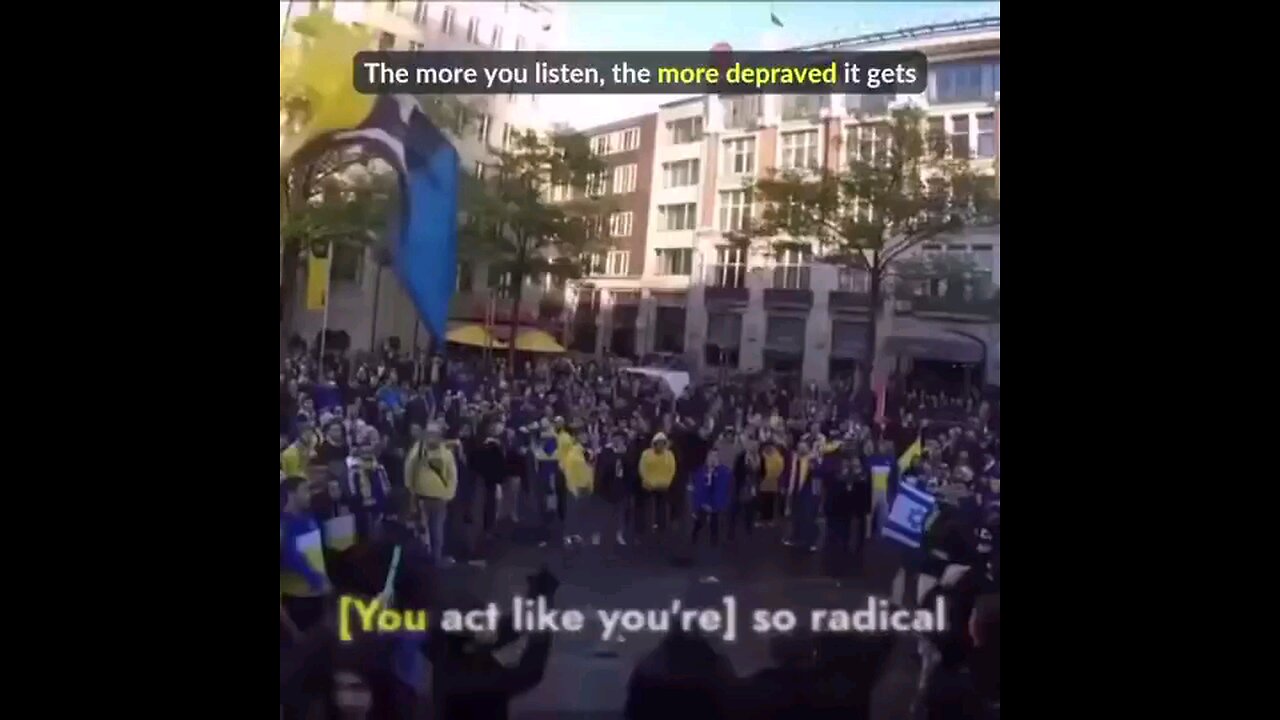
<point x="712" y="487"/>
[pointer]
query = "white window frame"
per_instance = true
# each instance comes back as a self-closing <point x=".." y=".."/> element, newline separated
<point x="800" y="150"/>
<point x="792" y="261"/>
<point x="506" y="135"/>
<point x="420" y="12"/>
<point x="621" y="224"/>
<point x="415" y="46"/>
<point x="560" y="192"/>
<point x="979" y="133"/>
<point x="686" y="212"/>
<point x="730" y="262"/>
<point x="671" y="173"/>
<point x="598" y="183"/>
<point x="479" y="170"/>
<point x="877" y="137"/>
<point x="519" y="43"/>
<point x="482" y="130"/>
<point x="495" y="38"/>
<point x="695" y="130"/>
<point x="473" y="31"/>
<point x="449" y="20"/>
<point x="617" y="263"/>
<point x="629" y="139"/>
<point x="602" y="144"/>
<point x="967" y="135"/>
<point x="666" y="261"/>
<point x="740" y="156"/>
<point x="735" y="209"/>
<point x="624" y="178"/>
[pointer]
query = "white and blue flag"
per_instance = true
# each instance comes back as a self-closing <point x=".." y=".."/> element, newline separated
<point x="906" y="522"/>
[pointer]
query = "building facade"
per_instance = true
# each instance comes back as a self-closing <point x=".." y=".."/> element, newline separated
<point x="365" y="300"/>
<point x="751" y="309"/>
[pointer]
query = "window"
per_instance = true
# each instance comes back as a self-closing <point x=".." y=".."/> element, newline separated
<point x="675" y="261"/>
<point x="680" y="174"/>
<point x="960" y="136"/>
<point x="630" y="139"/>
<point x="386" y="41"/>
<point x="348" y="263"/>
<point x="730" y="269"/>
<point x="495" y="41"/>
<point x="685" y="131"/>
<point x="414" y="46"/>
<point x="598" y="183"/>
<point x="986" y="135"/>
<point x="519" y="42"/>
<point x="420" y="12"/>
<point x="739" y="156"/>
<point x="791" y="269"/>
<point x="682" y="216"/>
<point x="800" y="150"/>
<point x="482" y="129"/>
<point x="617" y="262"/>
<point x="854" y="280"/>
<point x="473" y="31"/>
<point x="741" y="112"/>
<point x="602" y="144"/>
<point x="937" y="136"/>
<point x="560" y="192"/>
<point x="620" y="224"/>
<point x="868" y="144"/>
<point x="465" y="278"/>
<point x="446" y="20"/>
<point x="967" y="81"/>
<point x="735" y="209"/>
<point x="479" y="170"/>
<point x="624" y="179"/>
<point x="506" y="135"/>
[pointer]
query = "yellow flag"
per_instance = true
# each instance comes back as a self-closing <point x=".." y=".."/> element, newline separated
<point x="913" y="451"/>
<point x="318" y="281"/>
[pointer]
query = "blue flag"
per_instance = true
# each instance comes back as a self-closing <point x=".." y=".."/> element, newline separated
<point x="424" y="238"/>
<point x="906" y="521"/>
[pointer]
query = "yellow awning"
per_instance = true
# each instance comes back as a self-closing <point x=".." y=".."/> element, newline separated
<point x="537" y="341"/>
<point x="475" y="336"/>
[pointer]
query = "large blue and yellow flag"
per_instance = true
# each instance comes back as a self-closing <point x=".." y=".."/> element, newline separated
<point x="317" y="73"/>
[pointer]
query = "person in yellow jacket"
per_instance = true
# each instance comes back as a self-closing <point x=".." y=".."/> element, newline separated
<point x="657" y="471"/>
<point x="579" y="481"/>
<point x="432" y="475"/>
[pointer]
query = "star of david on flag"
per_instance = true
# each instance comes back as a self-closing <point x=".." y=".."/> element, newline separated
<point x="911" y="509"/>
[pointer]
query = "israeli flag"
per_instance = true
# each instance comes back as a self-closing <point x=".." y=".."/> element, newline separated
<point x="906" y="521"/>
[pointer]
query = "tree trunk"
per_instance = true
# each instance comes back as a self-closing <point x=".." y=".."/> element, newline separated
<point x="517" y="296"/>
<point x="873" y="316"/>
<point x="377" y="294"/>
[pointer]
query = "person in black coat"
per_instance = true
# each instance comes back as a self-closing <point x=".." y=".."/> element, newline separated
<point x="617" y="474"/>
<point x="840" y="507"/>
<point x="488" y="461"/>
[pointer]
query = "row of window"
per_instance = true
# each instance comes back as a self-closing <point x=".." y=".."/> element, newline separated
<point x="622" y="178"/>
<point x="449" y="24"/>
<point x="670" y="261"/>
<point x="616" y="142"/>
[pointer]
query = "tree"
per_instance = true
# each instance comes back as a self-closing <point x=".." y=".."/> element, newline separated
<point x="333" y="193"/>
<point x="512" y="223"/>
<point x="902" y="186"/>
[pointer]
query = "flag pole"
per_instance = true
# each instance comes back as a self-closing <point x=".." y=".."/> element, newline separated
<point x="324" y="324"/>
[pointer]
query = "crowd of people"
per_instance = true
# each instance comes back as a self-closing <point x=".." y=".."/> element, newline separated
<point x="434" y="456"/>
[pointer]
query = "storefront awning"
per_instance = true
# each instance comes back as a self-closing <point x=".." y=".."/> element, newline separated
<point x="537" y="341"/>
<point x="475" y="336"/>
<point x="944" y="347"/>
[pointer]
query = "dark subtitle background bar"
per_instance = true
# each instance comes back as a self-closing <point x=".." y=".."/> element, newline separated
<point x="639" y="73"/>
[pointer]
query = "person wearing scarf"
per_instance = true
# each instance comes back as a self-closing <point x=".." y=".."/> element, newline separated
<point x="330" y="470"/>
<point x="546" y="473"/>
<point x="367" y="485"/>
<point x="808" y="473"/>
<point x="773" y="467"/>
<point x="432" y="474"/>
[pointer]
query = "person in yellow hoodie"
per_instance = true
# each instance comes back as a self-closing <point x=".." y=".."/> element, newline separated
<point x="579" y="481"/>
<point x="774" y="465"/>
<point x="657" y="471"/>
<point x="432" y="475"/>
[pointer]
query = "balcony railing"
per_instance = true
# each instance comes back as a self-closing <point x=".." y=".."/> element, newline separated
<point x="957" y="304"/>
<point x="805" y="108"/>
